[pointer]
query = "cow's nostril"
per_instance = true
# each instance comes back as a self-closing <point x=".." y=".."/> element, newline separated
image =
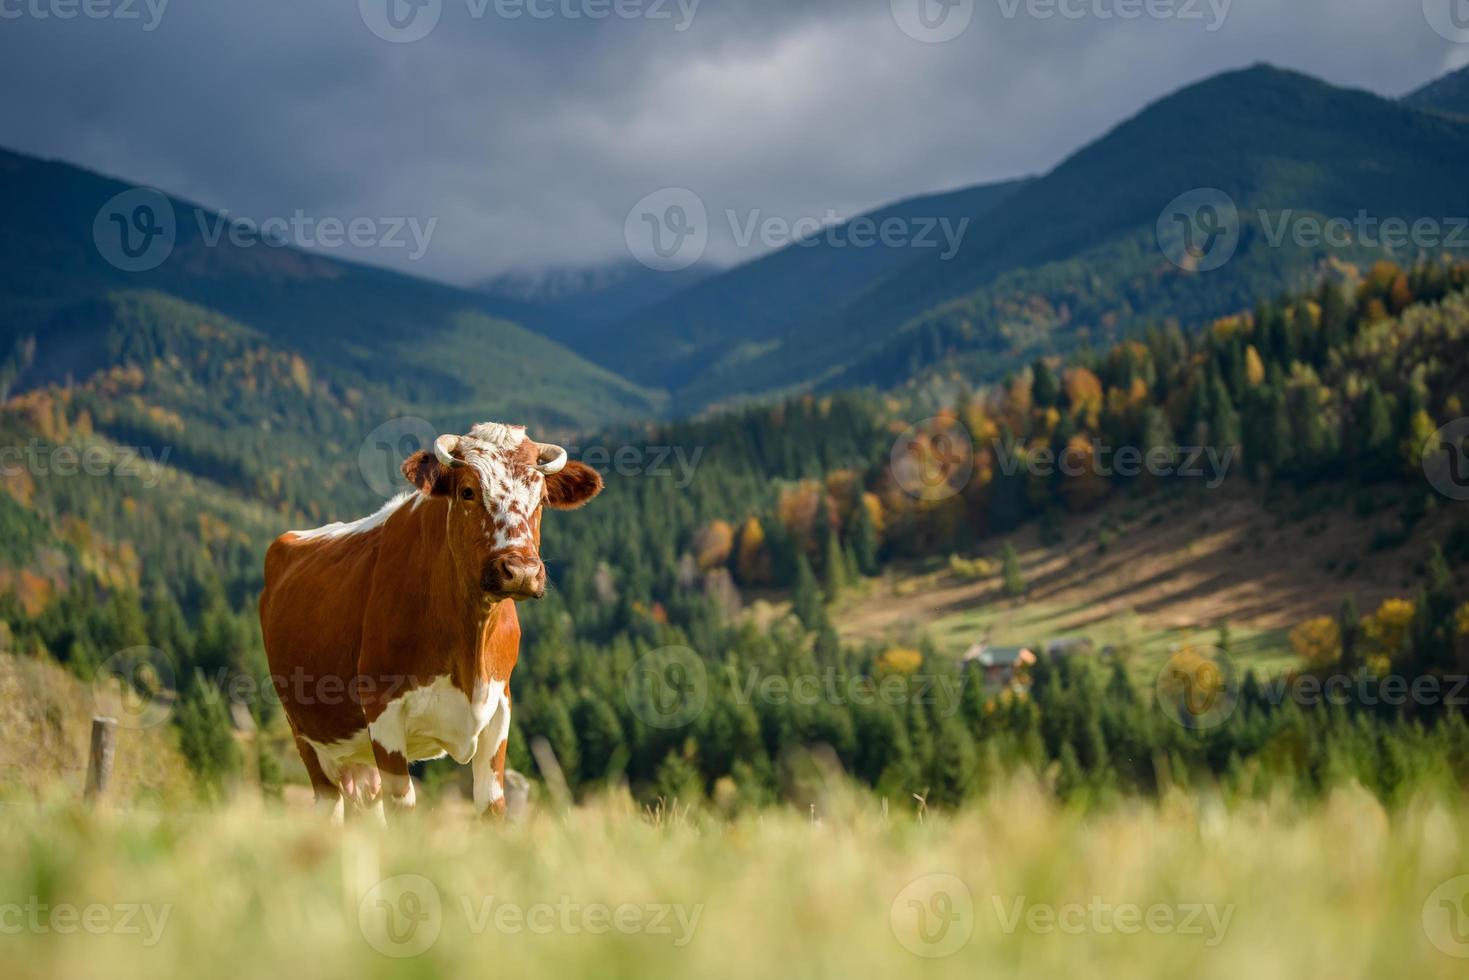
<point x="516" y="575"/>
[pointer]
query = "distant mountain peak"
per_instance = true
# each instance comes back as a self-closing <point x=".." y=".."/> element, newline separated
<point x="1448" y="93"/>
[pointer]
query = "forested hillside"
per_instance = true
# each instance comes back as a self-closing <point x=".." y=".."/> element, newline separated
<point x="1340" y="386"/>
<point x="388" y="335"/>
<point x="1074" y="257"/>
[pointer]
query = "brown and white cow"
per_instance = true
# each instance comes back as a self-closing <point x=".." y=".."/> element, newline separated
<point x="391" y="639"/>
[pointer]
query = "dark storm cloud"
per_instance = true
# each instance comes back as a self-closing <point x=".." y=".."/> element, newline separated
<point x="529" y="137"/>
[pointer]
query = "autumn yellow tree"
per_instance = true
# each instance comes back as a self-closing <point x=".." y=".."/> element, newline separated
<point x="753" y="562"/>
<point x="713" y="544"/>
<point x="1317" y="641"/>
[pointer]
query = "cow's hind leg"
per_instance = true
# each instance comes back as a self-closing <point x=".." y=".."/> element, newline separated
<point x="328" y="796"/>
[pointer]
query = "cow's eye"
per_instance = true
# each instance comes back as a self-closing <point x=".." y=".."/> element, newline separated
<point x="467" y="493"/>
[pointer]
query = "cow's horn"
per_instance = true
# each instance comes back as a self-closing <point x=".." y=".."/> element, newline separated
<point x="444" y="447"/>
<point x="552" y="459"/>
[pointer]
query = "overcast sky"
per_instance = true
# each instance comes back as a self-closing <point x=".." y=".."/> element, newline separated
<point x="530" y="138"/>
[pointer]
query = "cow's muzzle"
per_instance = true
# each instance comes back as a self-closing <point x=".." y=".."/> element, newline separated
<point x="514" y="576"/>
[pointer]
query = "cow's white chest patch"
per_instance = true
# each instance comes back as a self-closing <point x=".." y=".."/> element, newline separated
<point x="427" y="722"/>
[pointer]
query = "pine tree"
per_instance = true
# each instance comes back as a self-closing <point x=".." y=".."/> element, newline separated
<point x="1224" y="426"/>
<point x="833" y="562"/>
<point x="807" y="601"/>
<point x="864" y="537"/>
<point x="1045" y="390"/>
<point x="1349" y="623"/>
<point x="204" y="735"/>
<point x="1014" y="578"/>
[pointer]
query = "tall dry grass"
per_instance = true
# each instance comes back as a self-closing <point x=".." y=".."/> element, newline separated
<point x="1342" y="888"/>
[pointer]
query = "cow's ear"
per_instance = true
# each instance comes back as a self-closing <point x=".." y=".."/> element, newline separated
<point x="425" y="472"/>
<point x="573" y="486"/>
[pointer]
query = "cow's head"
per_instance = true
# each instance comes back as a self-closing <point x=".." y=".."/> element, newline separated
<point x="496" y="480"/>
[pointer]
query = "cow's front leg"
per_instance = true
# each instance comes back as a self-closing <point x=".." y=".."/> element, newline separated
<point x="489" y="760"/>
<point x="389" y="733"/>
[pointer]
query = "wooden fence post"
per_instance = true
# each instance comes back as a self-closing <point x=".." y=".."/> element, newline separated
<point x="99" y="764"/>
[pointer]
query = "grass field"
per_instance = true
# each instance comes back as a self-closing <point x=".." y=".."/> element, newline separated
<point x="1014" y="886"/>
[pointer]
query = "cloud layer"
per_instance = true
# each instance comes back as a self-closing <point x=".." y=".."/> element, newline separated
<point x="528" y="128"/>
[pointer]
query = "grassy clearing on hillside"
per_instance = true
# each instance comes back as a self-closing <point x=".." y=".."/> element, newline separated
<point x="1184" y="888"/>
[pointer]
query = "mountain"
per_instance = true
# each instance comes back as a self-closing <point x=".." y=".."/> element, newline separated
<point x="735" y="316"/>
<point x="1447" y="94"/>
<point x="583" y="300"/>
<point x="438" y="349"/>
<point x="1074" y="256"/>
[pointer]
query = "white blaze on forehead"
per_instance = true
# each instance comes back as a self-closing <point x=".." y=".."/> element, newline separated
<point x="494" y="435"/>
<point x="511" y="494"/>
